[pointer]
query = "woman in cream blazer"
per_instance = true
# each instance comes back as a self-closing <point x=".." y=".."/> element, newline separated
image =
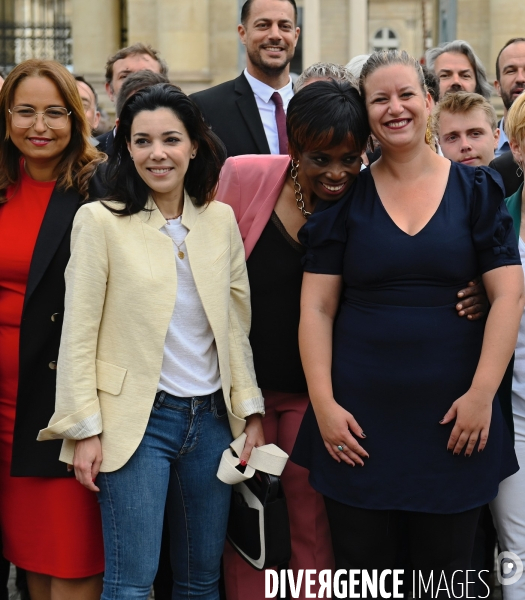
<point x="155" y="372"/>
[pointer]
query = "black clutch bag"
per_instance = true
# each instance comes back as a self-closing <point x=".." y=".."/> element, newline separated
<point x="258" y="526"/>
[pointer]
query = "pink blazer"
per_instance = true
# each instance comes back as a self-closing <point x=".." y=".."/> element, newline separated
<point x="251" y="185"/>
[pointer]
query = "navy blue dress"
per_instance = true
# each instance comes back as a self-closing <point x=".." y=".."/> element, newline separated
<point x="401" y="354"/>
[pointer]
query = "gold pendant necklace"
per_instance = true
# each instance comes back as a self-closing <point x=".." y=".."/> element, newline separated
<point x="180" y="253"/>
<point x="297" y="190"/>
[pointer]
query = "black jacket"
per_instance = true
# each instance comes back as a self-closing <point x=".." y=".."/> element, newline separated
<point x="231" y="111"/>
<point x="105" y="142"/>
<point x="40" y="331"/>
<point x="506" y="167"/>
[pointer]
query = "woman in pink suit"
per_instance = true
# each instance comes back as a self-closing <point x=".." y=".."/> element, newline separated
<point x="272" y="196"/>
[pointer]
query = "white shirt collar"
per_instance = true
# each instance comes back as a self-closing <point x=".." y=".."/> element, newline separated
<point x="502" y="135"/>
<point x="265" y="91"/>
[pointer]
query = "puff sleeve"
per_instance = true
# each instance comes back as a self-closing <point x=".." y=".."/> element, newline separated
<point x="492" y="226"/>
<point x="324" y="237"/>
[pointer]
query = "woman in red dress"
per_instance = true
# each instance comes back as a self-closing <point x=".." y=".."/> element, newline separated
<point x="50" y="524"/>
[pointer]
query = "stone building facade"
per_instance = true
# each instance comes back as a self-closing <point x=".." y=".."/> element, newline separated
<point x="199" y="40"/>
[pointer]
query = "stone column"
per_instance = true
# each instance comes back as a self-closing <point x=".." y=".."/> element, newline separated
<point x="96" y="35"/>
<point x="184" y="41"/>
<point x="474" y="25"/>
<point x="358" y="27"/>
<point x="311" y="32"/>
<point x="142" y="22"/>
<point x="224" y="40"/>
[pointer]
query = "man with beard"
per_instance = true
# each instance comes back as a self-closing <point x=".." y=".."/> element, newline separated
<point x="510" y="83"/>
<point x="249" y="112"/>
<point x="458" y="69"/>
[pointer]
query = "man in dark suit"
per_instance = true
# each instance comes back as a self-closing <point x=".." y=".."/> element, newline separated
<point x="506" y="166"/>
<point x="245" y="112"/>
<point x="510" y="82"/>
<point x="119" y="66"/>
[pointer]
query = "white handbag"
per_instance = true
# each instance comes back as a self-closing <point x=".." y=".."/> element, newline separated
<point x="258" y="526"/>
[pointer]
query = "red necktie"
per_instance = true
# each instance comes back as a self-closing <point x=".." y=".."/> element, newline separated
<point x="280" y="119"/>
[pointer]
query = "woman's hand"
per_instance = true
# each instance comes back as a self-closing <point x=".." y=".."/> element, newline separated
<point x="87" y="460"/>
<point x="473" y="412"/>
<point x="254" y="437"/>
<point x="474" y="302"/>
<point x="335" y="424"/>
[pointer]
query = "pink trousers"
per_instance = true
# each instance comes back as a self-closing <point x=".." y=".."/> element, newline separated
<point x="311" y="543"/>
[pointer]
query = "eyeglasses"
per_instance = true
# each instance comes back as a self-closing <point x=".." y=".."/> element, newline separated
<point x="25" y="117"/>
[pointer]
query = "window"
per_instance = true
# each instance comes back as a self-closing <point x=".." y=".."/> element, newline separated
<point x="34" y="29"/>
<point x="385" y="39"/>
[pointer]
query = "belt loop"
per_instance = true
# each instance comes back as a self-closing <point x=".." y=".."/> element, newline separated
<point x="159" y="399"/>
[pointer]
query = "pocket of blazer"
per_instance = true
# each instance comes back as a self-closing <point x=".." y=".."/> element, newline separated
<point x="268" y="459"/>
<point x="110" y="377"/>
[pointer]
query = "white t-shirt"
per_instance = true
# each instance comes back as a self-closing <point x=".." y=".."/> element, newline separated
<point x="190" y="365"/>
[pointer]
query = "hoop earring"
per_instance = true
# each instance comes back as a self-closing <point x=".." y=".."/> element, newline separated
<point x="429" y="138"/>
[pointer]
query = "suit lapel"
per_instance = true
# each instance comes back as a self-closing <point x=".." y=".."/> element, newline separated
<point x="261" y="211"/>
<point x="57" y="220"/>
<point x="207" y="245"/>
<point x="250" y="113"/>
<point x="109" y="143"/>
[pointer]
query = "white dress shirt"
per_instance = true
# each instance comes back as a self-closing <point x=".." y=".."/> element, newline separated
<point x="503" y="143"/>
<point x="263" y="94"/>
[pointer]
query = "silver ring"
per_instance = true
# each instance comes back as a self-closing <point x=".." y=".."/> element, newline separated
<point x="340" y="448"/>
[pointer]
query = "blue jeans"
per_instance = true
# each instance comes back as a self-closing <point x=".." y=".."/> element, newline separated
<point x="175" y="468"/>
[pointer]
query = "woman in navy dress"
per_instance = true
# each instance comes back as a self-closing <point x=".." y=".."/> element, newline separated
<point x="381" y="268"/>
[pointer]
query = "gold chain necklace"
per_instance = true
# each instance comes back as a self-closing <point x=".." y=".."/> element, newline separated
<point x="180" y="253"/>
<point x="297" y="189"/>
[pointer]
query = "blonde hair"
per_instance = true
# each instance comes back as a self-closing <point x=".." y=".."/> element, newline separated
<point x="79" y="159"/>
<point x="515" y="120"/>
<point x="463" y="102"/>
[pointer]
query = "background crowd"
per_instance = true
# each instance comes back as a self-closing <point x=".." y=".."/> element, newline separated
<point x="170" y="320"/>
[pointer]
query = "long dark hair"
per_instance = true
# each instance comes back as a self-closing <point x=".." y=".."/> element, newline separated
<point x="323" y="114"/>
<point x="125" y="184"/>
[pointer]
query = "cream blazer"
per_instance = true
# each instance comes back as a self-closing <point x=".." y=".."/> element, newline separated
<point x="121" y="285"/>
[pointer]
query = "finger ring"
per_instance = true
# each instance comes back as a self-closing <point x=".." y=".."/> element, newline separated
<point x="340" y="448"/>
